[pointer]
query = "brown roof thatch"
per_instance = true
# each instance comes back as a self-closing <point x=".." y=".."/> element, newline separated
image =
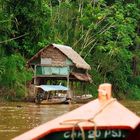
<point x="70" y="53"/>
<point x="82" y="77"/>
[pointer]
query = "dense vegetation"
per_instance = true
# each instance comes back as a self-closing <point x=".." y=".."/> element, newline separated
<point x="106" y="34"/>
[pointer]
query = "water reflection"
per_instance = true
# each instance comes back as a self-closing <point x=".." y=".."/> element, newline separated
<point x="16" y="118"/>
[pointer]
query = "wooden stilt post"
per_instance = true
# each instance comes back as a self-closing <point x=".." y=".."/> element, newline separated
<point x="68" y="80"/>
<point x="35" y="79"/>
<point x="81" y="85"/>
<point x="73" y="89"/>
<point x="84" y="85"/>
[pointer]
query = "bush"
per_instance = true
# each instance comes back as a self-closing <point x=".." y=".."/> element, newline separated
<point x="14" y="76"/>
<point x="134" y="93"/>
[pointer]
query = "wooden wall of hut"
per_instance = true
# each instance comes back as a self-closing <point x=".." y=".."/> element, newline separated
<point x="57" y="57"/>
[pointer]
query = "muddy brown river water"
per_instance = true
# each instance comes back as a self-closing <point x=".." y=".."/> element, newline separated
<point x="17" y="117"/>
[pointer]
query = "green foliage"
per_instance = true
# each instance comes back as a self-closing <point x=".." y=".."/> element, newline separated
<point x="22" y="27"/>
<point x="14" y="75"/>
<point x="105" y="33"/>
<point x="27" y="24"/>
<point x="134" y="93"/>
<point x="110" y="36"/>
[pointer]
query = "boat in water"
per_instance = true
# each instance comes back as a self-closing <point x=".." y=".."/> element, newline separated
<point x="135" y="134"/>
<point x="82" y="99"/>
<point x="51" y="94"/>
<point x="101" y="119"/>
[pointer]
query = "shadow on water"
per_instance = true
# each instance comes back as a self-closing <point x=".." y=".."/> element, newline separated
<point x="16" y="118"/>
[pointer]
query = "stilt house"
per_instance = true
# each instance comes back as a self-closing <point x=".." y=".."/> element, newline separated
<point x="56" y="63"/>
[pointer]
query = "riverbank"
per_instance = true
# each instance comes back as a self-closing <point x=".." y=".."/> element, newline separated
<point x="121" y="98"/>
<point x="10" y="95"/>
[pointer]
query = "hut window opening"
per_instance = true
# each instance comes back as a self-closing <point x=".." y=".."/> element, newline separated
<point x="46" y="61"/>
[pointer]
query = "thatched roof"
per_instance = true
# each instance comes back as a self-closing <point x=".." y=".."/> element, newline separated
<point x="82" y="77"/>
<point x="68" y="52"/>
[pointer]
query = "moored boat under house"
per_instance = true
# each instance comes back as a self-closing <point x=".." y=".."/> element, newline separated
<point x="59" y="64"/>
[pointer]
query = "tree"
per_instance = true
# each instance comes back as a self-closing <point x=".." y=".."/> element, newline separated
<point x="27" y="21"/>
<point x="105" y="33"/>
<point x="22" y="26"/>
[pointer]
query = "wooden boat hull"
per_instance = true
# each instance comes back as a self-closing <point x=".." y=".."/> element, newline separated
<point x="88" y="118"/>
<point x="81" y="100"/>
<point x="53" y="102"/>
<point x="51" y="94"/>
<point x="102" y="119"/>
<point x="101" y="134"/>
<point x="135" y="135"/>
